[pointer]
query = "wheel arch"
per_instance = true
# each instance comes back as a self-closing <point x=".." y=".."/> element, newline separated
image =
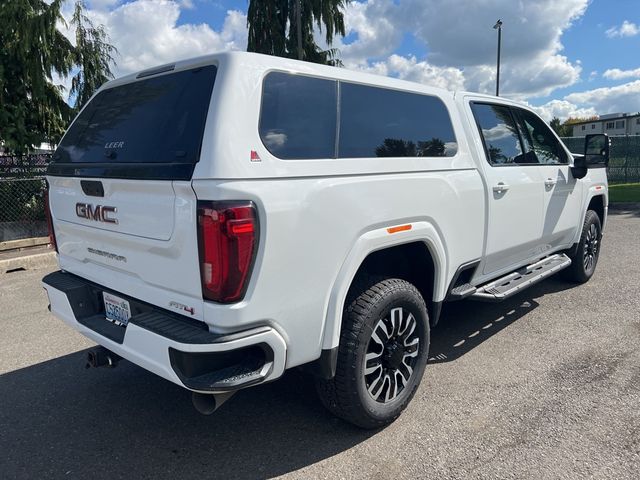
<point x="380" y="244"/>
<point x="597" y="204"/>
<point x="597" y="201"/>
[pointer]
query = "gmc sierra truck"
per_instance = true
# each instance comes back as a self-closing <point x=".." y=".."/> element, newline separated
<point x="223" y="219"/>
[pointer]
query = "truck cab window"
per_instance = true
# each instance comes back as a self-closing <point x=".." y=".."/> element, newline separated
<point x="500" y="134"/>
<point x="538" y="137"/>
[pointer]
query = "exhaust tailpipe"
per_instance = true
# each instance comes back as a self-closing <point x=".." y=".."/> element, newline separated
<point x="206" y="404"/>
<point x="101" y="357"/>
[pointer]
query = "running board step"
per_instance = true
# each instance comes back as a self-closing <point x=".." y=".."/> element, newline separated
<point x="522" y="278"/>
<point x="462" y="291"/>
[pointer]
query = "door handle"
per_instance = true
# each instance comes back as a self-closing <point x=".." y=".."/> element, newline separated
<point x="501" y="187"/>
<point x="550" y="182"/>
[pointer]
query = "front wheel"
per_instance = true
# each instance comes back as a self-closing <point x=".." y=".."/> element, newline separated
<point x="384" y="345"/>
<point x="585" y="259"/>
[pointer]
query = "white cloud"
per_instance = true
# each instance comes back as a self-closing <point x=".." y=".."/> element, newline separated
<point x="539" y="76"/>
<point x="563" y="109"/>
<point x="469" y="38"/>
<point x="531" y="61"/>
<point x="462" y="48"/>
<point x="409" y="68"/>
<point x="146" y="33"/>
<point x="274" y="139"/>
<point x="378" y="34"/>
<point x="621" y="98"/>
<point x="627" y="29"/>
<point x="498" y="132"/>
<point x="617" y="74"/>
<point x="599" y="101"/>
<point x="378" y="31"/>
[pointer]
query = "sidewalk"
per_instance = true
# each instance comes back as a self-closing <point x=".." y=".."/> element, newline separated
<point x="26" y="259"/>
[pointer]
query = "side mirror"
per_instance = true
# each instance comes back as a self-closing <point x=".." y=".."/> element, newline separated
<point x="579" y="168"/>
<point x="596" y="150"/>
<point x="596" y="155"/>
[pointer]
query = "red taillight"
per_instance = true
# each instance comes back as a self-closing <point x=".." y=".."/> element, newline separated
<point x="47" y="208"/>
<point x="227" y="236"/>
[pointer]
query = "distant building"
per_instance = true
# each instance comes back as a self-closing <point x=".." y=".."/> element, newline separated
<point x="611" y="124"/>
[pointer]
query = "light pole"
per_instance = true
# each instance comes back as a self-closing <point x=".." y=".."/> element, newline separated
<point x="299" y="27"/>
<point x="498" y="26"/>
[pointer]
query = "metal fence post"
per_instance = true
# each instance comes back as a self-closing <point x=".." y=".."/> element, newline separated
<point x="626" y="159"/>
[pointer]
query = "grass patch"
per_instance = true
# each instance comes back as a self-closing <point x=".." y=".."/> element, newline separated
<point x="628" y="192"/>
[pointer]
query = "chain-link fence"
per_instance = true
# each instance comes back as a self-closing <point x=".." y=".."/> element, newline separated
<point x="22" y="210"/>
<point x="624" y="163"/>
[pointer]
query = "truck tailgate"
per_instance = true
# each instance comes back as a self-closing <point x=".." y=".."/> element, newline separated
<point x="146" y="248"/>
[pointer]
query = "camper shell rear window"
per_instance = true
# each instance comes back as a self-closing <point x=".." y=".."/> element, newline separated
<point x="150" y="128"/>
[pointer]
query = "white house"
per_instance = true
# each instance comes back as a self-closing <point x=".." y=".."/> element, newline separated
<point x="611" y="124"/>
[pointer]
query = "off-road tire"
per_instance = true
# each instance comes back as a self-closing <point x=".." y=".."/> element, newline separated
<point x="346" y="395"/>
<point x="585" y="258"/>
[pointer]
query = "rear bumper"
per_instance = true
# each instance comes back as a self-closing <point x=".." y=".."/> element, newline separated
<point x="174" y="347"/>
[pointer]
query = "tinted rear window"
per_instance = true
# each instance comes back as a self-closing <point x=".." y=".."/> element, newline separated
<point x="378" y="122"/>
<point x="159" y="120"/>
<point x="298" y="116"/>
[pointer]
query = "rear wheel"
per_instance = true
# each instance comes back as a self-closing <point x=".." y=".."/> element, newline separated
<point x="384" y="345"/>
<point x="585" y="259"/>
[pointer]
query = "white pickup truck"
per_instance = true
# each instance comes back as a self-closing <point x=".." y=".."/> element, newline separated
<point x="223" y="219"/>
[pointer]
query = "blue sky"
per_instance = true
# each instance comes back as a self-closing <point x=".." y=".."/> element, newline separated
<point x="587" y="41"/>
<point x="565" y="57"/>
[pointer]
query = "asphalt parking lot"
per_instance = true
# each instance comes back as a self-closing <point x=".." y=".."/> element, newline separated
<point x="545" y="385"/>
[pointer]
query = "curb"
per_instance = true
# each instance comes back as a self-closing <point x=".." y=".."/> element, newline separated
<point x="9" y="245"/>
<point x="28" y="262"/>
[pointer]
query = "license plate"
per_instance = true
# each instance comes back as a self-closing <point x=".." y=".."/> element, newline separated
<point x="116" y="309"/>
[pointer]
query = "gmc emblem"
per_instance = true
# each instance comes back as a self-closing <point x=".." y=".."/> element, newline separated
<point x="99" y="213"/>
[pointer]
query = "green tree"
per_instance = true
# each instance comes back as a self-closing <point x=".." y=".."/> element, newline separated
<point x="93" y="54"/>
<point x="396" y="147"/>
<point x="33" y="52"/>
<point x="274" y="29"/>
<point x="556" y="125"/>
<point x="431" y="148"/>
<point x="562" y="129"/>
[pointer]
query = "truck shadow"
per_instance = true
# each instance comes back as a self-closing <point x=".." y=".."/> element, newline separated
<point x="58" y="419"/>
<point x="466" y="324"/>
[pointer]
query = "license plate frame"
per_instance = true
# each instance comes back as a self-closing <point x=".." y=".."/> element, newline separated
<point x="116" y="309"/>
